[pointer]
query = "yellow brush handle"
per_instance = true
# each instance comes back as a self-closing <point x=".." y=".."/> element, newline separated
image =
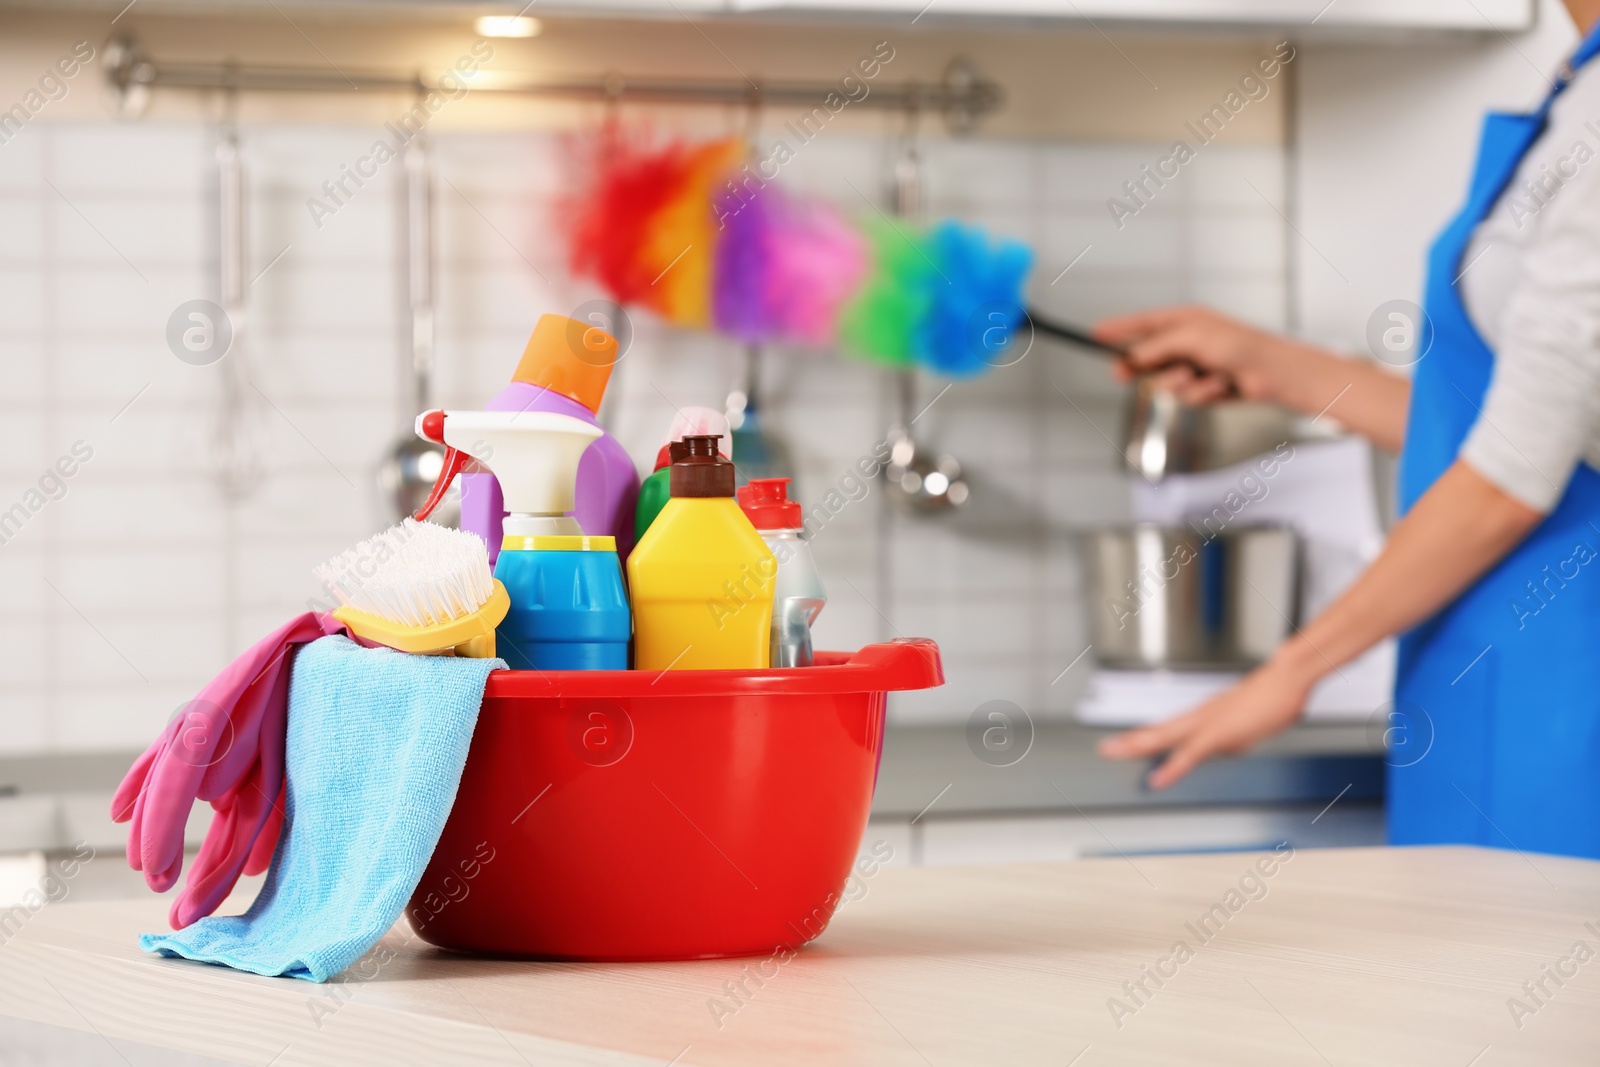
<point x="478" y="647"/>
<point x="471" y="635"/>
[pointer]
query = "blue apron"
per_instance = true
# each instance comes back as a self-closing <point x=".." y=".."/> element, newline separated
<point x="1508" y="676"/>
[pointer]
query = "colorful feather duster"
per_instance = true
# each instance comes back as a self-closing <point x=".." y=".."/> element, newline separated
<point x="681" y="230"/>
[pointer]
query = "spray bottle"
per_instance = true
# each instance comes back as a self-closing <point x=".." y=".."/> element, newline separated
<point x="569" y="607"/>
<point x="564" y="369"/>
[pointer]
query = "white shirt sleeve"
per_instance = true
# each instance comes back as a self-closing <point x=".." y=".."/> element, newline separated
<point x="1541" y="415"/>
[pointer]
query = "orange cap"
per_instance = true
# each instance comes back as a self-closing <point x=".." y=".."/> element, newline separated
<point x="569" y="357"/>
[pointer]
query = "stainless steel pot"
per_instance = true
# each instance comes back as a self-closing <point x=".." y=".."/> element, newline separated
<point x="1162" y="435"/>
<point x="1171" y="597"/>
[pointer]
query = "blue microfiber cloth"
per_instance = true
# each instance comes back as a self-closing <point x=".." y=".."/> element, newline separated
<point x="376" y="743"/>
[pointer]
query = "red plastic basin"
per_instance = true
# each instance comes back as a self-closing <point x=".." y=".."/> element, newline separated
<point x="631" y="815"/>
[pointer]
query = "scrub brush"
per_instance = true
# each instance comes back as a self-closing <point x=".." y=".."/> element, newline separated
<point x="419" y="587"/>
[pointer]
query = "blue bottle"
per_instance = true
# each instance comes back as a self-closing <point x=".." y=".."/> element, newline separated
<point x="569" y="608"/>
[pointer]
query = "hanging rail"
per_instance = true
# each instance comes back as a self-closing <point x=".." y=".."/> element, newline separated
<point x="962" y="96"/>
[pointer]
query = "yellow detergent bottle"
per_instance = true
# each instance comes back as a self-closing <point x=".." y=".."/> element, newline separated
<point x="701" y="577"/>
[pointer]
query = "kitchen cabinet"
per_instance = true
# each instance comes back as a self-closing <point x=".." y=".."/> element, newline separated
<point x="1375" y="15"/>
<point x="1315" y="785"/>
<point x="1371" y="956"/>
<point x="1306" y="764"/>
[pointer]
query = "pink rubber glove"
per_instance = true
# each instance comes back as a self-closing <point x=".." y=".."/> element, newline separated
<point x="226" y="746"/>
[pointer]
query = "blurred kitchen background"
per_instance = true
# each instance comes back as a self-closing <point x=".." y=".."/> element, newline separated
<point x="212" y="491"/>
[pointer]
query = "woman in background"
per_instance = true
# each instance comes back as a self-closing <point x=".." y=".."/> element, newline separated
<point x="1492" y="573"/>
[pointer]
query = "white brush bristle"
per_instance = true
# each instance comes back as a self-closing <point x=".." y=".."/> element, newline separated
<point x="416" y="573"/>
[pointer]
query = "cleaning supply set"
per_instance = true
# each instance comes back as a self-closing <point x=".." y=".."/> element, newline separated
<point x="702" y="578"/>
<point x="313" y="744"/>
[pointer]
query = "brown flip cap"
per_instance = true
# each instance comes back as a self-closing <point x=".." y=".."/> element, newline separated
<point x="701" y="471"/>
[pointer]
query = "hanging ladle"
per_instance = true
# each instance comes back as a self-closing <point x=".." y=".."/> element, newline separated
<point x="235" y="454"/>
<point x="919" y="479"/>
<point x="759" y="451"/>
<point x="922" y="480"/>
<point x="409" y="470"/>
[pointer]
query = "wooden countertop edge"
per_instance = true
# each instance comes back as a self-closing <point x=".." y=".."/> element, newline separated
<point x="78" y="966"/>
<point x="268" y="1021"/>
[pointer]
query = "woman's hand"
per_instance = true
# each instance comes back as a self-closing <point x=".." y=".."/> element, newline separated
<point x="1461" y="527"/>
<point x="1204" y="356"/>
<point x="1267" y="701"/>
<point x="1199" y="354"/>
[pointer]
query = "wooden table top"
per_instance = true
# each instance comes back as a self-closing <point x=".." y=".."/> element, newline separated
<point x="1336" y="958"/>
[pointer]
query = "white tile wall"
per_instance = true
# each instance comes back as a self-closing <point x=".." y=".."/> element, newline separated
<point x="125" y="595"/>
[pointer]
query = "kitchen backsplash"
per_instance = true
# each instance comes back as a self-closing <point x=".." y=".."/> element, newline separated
<point x="136" y="577"/>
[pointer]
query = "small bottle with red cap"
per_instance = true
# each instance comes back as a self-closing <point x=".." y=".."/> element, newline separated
<point x="798" y="597"/>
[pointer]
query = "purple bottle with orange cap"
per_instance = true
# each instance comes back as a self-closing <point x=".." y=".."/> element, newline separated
<point x="565" y="368"/>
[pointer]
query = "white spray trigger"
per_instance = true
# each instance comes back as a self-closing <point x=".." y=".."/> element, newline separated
<point x="533" y="454"/>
